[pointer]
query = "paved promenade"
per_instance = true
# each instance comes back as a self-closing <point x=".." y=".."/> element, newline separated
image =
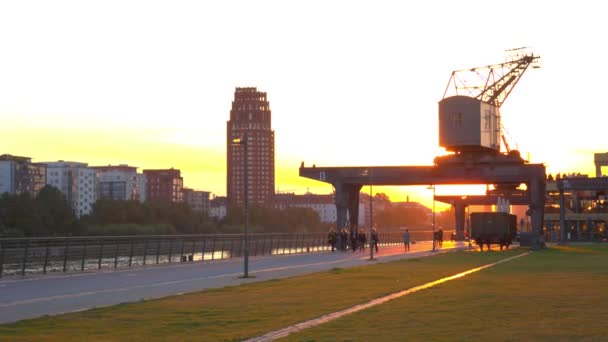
<point x="22" y="298"/>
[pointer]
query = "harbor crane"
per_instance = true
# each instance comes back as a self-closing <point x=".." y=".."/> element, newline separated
<point x="490" y="85"/>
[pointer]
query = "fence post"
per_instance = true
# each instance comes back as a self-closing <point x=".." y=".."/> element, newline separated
<point x="84" y="255"/>
<point x="213" y="250"/>
<point x="193" y="248"/>
<point x="223" y="244"/>
<point x="100" y="254"/>
<point x="131" y="253"/>
<point x="116" y="254"/>
<point x="1" y="259"/>
<point x="46" y="258"/>
<point x="181" y="256"/>
<point x="170" y="249"/>
<point x="204" y="247"/>
<point x="232" y="249"/>
<point x="271" y="240"/>
<point x="65" y="254"/>
<point x="157" y="251"/>
<point x="27" y="245"/>
<point x="145" y="250"/>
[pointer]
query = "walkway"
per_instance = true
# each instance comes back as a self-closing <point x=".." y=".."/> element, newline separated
<point x="22" y="298"/>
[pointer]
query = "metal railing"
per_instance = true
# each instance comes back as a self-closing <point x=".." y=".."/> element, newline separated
<point x="76" y="254"/>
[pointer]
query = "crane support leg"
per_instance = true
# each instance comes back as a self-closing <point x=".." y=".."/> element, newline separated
<point x="347" y="205"/>
<point x="459" y="209"/>
<point x="353" y="206"/>
<point x="537" y="209"/>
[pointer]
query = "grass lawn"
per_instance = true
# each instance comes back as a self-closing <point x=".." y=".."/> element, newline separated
<point x="558" y="294"/>
<point x="553" y="293"/>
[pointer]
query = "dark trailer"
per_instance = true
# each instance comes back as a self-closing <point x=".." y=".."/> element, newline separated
<point x="490" y="227"/>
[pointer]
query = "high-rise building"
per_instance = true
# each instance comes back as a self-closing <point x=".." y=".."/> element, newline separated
<point x="164" y="185"/>
<point x="250" y="121"/>
<point x="121" y="182"/>
<point x="18" y="175"/>
<point x="76" y="181"/>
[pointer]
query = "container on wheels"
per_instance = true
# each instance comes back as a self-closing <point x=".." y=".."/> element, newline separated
<point x="493" y="228"/>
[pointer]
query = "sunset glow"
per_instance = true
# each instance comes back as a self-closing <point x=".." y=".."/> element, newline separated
<point x="150" y="83"/>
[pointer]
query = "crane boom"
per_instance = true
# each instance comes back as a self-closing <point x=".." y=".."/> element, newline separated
<point x="493" y="83"/>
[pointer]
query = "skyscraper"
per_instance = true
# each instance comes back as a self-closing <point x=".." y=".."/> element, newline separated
<point x="250" y="121"/>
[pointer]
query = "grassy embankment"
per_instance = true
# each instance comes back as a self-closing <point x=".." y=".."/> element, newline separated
<point x="559" y="294"/>
<point x="556" y="292"/>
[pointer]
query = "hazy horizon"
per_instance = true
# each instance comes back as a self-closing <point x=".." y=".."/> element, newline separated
<point x="150" y="83"/>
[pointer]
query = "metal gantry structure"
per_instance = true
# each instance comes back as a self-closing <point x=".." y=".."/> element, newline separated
<point x="469" y="126"/>
<point x="492" y="83"/>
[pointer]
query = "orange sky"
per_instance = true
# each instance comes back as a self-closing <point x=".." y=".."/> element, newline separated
<point x="150" y="83"/>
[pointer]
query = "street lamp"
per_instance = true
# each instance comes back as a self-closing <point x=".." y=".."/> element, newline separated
<point x="371" y="218"/>
<point x="243" y="142"/>
<point x="432" y="187"/>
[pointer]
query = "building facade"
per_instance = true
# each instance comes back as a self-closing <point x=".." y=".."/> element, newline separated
<point x="198" y="200"/>
<point x="76" y="181"/>
<point x="250" y="125"/>
<point x="323" y="205"/>
<point x="121" y="183"/>
<point x="164" y="185"/>
<point x="218" y="207"/>
<point x="18" y="175"/>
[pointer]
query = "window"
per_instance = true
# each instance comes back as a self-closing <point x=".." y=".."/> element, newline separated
<point x="457" y="119"/>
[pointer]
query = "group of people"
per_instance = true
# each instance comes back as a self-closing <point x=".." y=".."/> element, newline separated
<point x="344" y="240"/>
<point x="357" y="240"/>
<point x="438" y="238"/>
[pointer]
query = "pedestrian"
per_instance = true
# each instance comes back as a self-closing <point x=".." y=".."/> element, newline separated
<point x="440" y="236"/>
<point x="332" y="238"/>
<point x="353" y="240"/>
<point x="406" y="240"/>
<point x="374" y="238"/>
<point x="343" y="239"/>
<point x="362" y="239"/>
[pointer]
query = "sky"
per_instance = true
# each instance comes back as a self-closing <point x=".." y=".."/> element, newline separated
<point x="150" y="83"/>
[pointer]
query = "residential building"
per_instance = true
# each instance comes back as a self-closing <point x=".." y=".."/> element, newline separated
<point x="218" y="207"/>
<point x="324" y="205"/>
<point x="121" y="182"/>
<point x="198" y="200"/>
<point x="250" y="125"/>
<point x="76" y="181"/>
<point x="164" y="185"/>
<point x="18" y="175"/>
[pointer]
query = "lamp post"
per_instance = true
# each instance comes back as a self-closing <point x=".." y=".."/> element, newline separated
<point x="432" y="187"/>
<point x="243" y="142"/>
<point x="371" y="218"/>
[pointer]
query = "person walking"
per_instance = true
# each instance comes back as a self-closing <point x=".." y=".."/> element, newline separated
<point x="362" y="239"/>
<point x="343" y="239"/>
<point x="332" y="238"/>
<point x="374" y="238"/>
<point x="406" y="240"/>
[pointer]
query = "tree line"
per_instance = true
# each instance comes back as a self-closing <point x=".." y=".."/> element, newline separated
<point x="49" y="214"/>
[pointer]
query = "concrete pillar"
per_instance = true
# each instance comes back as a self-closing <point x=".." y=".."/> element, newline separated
<point x="537" y="207"/>
<point x="353" y="205"/>
<point x="562" y="215"/>
<point x="341" y="205"/>
<point x="459" y="211"/>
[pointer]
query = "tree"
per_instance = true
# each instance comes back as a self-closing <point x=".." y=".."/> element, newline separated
<point x="399" y="216"/>
<point x="55" y="212"/>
